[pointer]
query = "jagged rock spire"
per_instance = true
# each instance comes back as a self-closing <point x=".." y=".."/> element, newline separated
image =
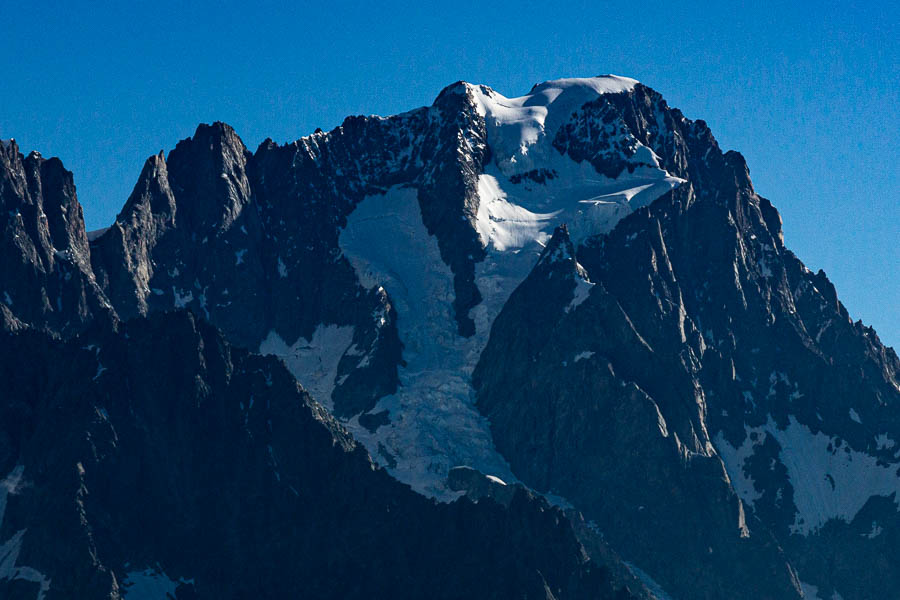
<point x="208" y="175"/>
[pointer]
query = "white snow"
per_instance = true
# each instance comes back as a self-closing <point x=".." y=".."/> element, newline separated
<point x="434" y="423"/>
<point x="505" y="225"/>
<point x="734" y="464"/>
<point x="517" y="125"/>
<point x="64" y="254"/>
<point x="874" y="532"/>
<point x="513" y="215"/>
<point x="581" y="293"/>
<point x="150" y="584"/>
<point x="10" y="549"/>
<point x="828" y="483"/>
<point x="811" y="592"/>
<point x="764" y="267"/>
<point x="10" y="571"/>
<point x="583" y="355"/>
<point x="313" y="362"/>
<point x="182" y="298"/>
<point x="856" y="475"/>
<point x="520" y="132"/>
<point x="495" y="479"/>
<point x="884" y="441"/>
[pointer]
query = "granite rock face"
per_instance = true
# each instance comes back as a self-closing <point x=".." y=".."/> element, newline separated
<point x="156" y="458"/>
<point x="575" y="291"/>
<point x="705" y="380"/>
<point x="46" y="279"/>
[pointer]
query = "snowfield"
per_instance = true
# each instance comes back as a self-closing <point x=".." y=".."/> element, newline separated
<point x="520" y="133"/>
<point x="829" y="479"/>
<point x="434" y="424"/>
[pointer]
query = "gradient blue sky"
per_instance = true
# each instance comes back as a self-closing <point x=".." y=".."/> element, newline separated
<point x="808" y="91"/>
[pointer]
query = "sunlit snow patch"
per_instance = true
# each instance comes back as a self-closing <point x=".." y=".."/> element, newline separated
<point x="829" y="479"/>
<point x="520" y="132"/>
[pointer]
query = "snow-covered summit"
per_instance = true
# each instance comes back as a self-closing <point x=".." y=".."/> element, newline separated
<point x="529" y="187"/>
<point x="601" y="84"/>
<point x="533" y="183"/>
<point x="521" y="128"/>
<point x="517" y="162"/>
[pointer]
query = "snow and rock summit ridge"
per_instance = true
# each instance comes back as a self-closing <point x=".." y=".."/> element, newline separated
<point x="518" y="126"/>
<point x="476" y="183"/>
<point x="520" y="183"/>
<point x="562" y="154"/>
<point x="414" y="274"/>
<point x="600" y="84"/>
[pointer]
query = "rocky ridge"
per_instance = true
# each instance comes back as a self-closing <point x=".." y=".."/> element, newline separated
<point x="154" y="460"/>
<point x="407" y="271"/>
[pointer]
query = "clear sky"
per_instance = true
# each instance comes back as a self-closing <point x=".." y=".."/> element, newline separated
<point x="808" y="91"/>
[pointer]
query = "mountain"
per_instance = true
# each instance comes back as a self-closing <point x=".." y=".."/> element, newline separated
<point x="575" y="291"/>
<point x="45" y="265"/>
<point x="156" y="459"/>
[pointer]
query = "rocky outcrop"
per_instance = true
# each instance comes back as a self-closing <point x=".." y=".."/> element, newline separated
<point x="157" y="457"/>
<point x="701" y="382"/>
<point x="477" y="485"/>
<point x="45" y="274"/>
<point x="562" y="382"/>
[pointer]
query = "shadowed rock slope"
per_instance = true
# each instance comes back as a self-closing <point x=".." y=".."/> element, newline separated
<point x="157" y="457"/>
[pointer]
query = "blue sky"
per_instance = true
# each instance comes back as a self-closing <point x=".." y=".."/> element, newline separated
<point x="809" y="92"/>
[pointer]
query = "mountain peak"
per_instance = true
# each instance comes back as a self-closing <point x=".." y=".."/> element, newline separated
<point x="690" y="384"/>
<point x="207" y="174"/>
<point x="9" y="146"/>
<point x="542" y="94"/>
<point x="217" y="130"/>
<point x="600" y="84"/>
<point x="558" y="257"/>
<point x="151" y="190"/>
<point x="559" y="248"/>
